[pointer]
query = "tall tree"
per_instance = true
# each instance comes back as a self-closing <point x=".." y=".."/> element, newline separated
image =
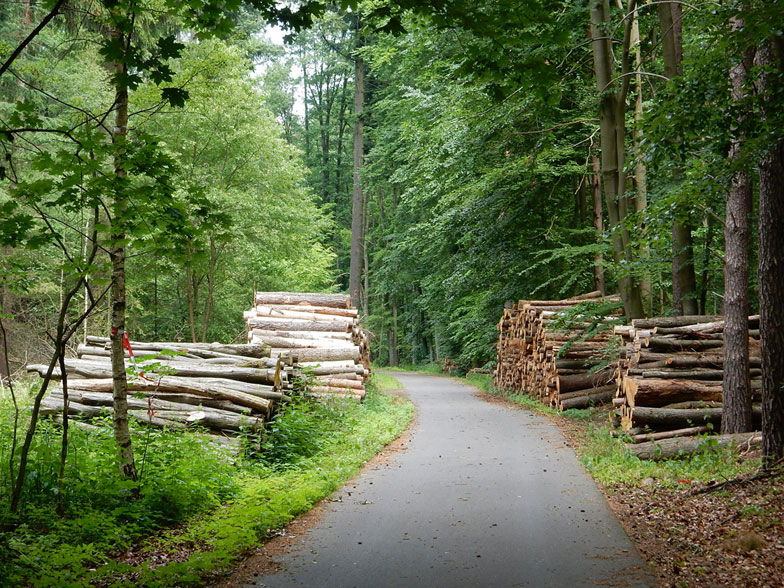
<point x="771" y="252"/>
<point x="357" y="199"/>
<point x="612" y="92"/>
<point x="684" y="281"/>
<point x="736" y="387"/>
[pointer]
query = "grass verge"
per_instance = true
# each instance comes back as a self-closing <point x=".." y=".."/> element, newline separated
<point x="215" y="510"/>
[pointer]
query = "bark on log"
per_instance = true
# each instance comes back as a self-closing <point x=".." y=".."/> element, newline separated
<point x="646" y="415"/>
<point x="289" y="343"/>
<point x="318" y="355"/>
<point x="686" y="432"/>
<point x="657" y="393"/>
<point x="241" y="349"/>
<point x="582" y="381"/>
<point x="344" y="312"/>
<point x="173" y="384"/>
<point x="675" y="321"/>
<point x="101" y="370"/>
<point x="683" y="446"/>
<point x="588" y="400"/>
<point x="342" y="335"/>
<point x="268" y="324"/>
<point x="312" y="299"/>
<point x="274" y="312"/>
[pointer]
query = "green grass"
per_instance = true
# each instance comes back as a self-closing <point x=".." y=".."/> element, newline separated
<point x="386" y="382"/>
<point x="226" y="508"/>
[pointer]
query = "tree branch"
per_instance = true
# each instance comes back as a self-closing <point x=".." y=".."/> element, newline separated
<point x="55" y="10"/>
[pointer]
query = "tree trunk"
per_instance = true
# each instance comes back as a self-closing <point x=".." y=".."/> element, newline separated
<point x="209" y="301"/>
<point x="736" y="387"/>
<point x="598" y="223"/>
<point x="612" y="111"/>
<point x="684" y="281"/>
<point x="355" y="269"/>
<point x="122" y="434"/>
<point x="640" y="170"/>
<point x="394" y="356"/>
<point x="365" y="258"/>
<point x="771" y="266"/>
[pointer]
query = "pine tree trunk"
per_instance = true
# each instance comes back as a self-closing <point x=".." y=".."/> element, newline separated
<point x="355" y="268"/>
<point x="736" y="393"/>
<point x="122" y="434"/>
<point x="771" y="269"/>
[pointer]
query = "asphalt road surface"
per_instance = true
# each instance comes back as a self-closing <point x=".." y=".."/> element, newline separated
<point x="483" y="496"/>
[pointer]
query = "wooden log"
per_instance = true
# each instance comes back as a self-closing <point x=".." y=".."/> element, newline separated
<point x="275" y="312"/>
<point x="588" y="391"/>
<point x="684" y="446"/>
<point x="317" y="335"/>
<point x="157" y="404"/>
<point x="585" y="380"/>
<point x="319" y="355"/>
<point x="337" y="390"/>
<point x="693" y="374"/>
<point x="344" y="312"/>
<point x="103" y="370"/>
<point x="270" y="324"/>
<point x="686" y="432"/>
<point x="312" y="299"/>
<point x="156" y="420"/>
<point x="215" y="396"/>
<point x="680" y="417"/>
<point x="682" y="344"/>
<point x="714" y="359"/>
<point x="55" y="406"/>
<point x="340" y="383"/>
<point x="675" y="321"/>
<point x="658" y="392"/>
<point x="289" y="343"/>
<point x="240" y="349"/>
<point x="587" y="400"/>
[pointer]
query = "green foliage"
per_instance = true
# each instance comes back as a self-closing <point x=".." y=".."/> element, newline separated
<point x="611" y="464"/>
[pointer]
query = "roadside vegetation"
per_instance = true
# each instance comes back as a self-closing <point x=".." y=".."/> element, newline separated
<point x="195" y="500"/>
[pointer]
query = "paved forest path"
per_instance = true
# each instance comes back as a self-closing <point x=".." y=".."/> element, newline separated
<point x="483" y="496"/>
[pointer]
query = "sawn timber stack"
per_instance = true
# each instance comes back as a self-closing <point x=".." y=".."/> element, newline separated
<point x="556" y="364"/>
<point x="319" y="334"/>
<point x="670" y="376"/>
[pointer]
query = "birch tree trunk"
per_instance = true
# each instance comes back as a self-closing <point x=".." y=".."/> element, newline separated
<point x="122" y="434"/>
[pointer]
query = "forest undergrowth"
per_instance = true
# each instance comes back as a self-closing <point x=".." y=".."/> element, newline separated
<point x="198" y="506"/>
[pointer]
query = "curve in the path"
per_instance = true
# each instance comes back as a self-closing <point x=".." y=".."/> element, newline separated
<point x="483" y="496"/>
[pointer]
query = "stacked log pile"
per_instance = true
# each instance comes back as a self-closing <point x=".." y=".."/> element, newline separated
<point x="224" y="388"/>
<point x="558" y="365"/>
<point x="670" y="375"/>
<point x="319" y="334"/>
